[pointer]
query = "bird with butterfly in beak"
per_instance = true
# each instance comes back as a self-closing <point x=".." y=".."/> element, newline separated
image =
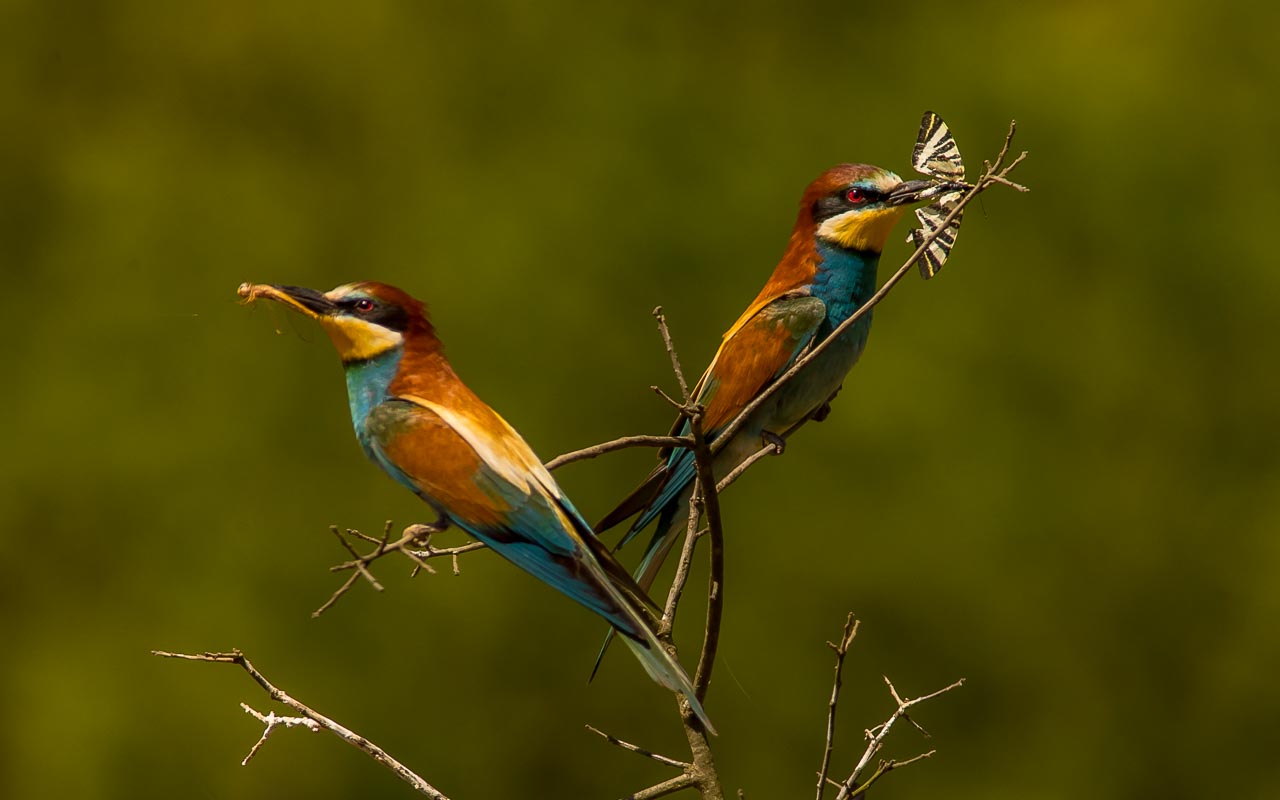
<point x="827" y="271"/>
<point x="417" y="420"/>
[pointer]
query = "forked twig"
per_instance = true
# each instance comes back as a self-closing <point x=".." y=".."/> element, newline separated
<point x="841" y="649"/>
<point x="316" y="719"/>
<point x="272" y="721"/>
<point x="700" y="772"/>
<point x="850" y="788"/>
<point x="414" y="544"/>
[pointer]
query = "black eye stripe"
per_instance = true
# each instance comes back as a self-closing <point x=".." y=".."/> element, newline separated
<point x="837" y="203"/>
<point x="388" y="315"/>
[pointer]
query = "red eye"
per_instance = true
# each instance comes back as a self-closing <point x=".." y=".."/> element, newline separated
<point x="855" y="196"/>
<point x="363" y="305"/>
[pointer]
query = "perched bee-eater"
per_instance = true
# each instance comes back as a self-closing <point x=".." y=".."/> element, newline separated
<point x="826" y="273"/>
<point x="421" y="424"/>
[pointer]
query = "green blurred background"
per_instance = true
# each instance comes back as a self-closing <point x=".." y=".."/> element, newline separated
<point x="1054" y="473"/>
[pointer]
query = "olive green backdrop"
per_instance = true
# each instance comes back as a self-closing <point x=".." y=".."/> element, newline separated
<point x="1054" y="473"/>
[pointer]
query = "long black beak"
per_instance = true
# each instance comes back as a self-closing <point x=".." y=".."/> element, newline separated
<point x="919" y="191"/>
<point x="308" y="301"/>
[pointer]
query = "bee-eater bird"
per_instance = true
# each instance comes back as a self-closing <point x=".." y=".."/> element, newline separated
<point x="421" y="424"/>
<point x="826" y="273"/>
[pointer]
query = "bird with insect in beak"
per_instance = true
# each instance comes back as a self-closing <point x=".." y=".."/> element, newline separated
<point x="827" y="271"/>
<point x="419" y="422"/>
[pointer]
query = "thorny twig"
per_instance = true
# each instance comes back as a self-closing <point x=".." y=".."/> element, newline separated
<point x="846" y="639"/>
<point x="272" y="721"/>
<point x="671" y="351"/>
<point x="317" y="719"/>
<point x="634" y="748"/>
<point x="704" y="503"/>
<point x="700" y="772"/>
<point x="414" y="544"/>
<point x="850" y="788"/>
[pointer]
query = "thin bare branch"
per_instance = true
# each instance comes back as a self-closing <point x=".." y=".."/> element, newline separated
<point x="618" y="444"/>
<point x="770" y="449"/>
<point x="431" y="551"/>
<point x="339" y="592"/>
<point x="883" y="769"/>
<point x="671" y="401"/>
<point x="715" y="534"/>
<point x="414" y="544"/>
<point x="671" y="351"/>
<point x="876" y="736"/>
<point x="359" y="563"/>
<point x="676" y="784"/>
<point x="676" y="591"/>
<point x="634" y="748"/>
<point x="272" y="721"/>
<point x="701" y="772"/>
<point x="354" y="739"/>
<point x="842" y="649"/>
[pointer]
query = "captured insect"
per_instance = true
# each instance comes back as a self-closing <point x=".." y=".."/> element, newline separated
<point x="937" y="156"/>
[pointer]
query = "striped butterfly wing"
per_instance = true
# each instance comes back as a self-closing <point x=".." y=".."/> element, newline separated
<point x="934" y="218"/>
<point x="936" y="154"/>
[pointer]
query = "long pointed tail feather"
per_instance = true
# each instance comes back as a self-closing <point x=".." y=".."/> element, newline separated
<point x="663" y="669"/>
<point x="665" y="535"/>
<point x="632" y="618"/>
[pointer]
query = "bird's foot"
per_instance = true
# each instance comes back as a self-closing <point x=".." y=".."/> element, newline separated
<point x="823" y="411"/>
<point x="770" y="438"/>
<point x="422" y="533"/>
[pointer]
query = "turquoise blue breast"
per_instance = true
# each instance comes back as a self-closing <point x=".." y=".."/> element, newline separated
<point x="367" y="383"/>
<point x="844" y="280"/>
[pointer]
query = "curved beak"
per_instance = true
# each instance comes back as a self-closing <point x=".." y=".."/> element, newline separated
<point x="308" y="301"/>
<point x="919" y="191"/>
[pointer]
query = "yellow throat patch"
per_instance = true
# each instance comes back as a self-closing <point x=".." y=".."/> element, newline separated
<point x="357" y="340"/>
<point x="862" y="230"/>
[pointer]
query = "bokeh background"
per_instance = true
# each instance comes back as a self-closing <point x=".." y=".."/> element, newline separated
<point x="1054" y="473"/>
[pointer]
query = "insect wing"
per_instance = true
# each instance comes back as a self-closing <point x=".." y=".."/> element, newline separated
<point x="934" y="218"/>
<point x="936" y="153"/>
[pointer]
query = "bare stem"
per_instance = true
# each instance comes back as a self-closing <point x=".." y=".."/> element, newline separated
<point x="671" y="351"/>
<point x="700" y="772"/>
<point x="876" y="737"/>
<point x="355" y="740"/>
<point x="676" y="784"/>
<point x="715" y="534"/>
<point x="770" y="449"/>
<point x="683" y="565"/>
<point x="846" y="639"/>
<point x="414" y="544"/>
<point x="614" y="740"/>
<point x="618" y="444"/>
